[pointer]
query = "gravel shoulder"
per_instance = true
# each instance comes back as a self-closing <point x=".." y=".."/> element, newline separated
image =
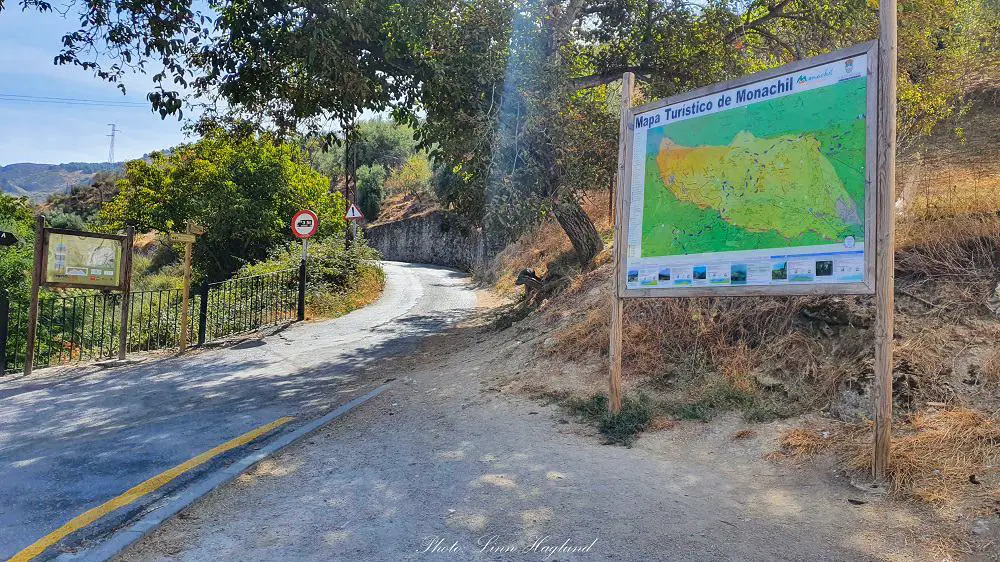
<point x="450" y="464"/>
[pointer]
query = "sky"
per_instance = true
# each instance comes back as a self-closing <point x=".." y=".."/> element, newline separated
<point x="52" y="133"/>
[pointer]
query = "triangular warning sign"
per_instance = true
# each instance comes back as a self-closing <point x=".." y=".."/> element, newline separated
<point x="354" y="214"/>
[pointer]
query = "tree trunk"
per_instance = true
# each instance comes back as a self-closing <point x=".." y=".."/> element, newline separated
<point x="580" y="230"/>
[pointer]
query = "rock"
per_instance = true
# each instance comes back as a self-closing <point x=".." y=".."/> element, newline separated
<point x="980" y="527"/>
<point x="994" y="301"/>
<point x="768" y="382"/>
<point x="549" y="343"/>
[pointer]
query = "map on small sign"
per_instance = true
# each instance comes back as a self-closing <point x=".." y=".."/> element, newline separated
<point x="83" y="260"/>
<point x="760" y="184"/>
<point x="354" y="214"/>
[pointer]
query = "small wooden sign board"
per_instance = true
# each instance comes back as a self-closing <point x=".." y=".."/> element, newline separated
<point x="181" y="237"/>
<point x="7" y="239"/>
<point x="188" y="238"/>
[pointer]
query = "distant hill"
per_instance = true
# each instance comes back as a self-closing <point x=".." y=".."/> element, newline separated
<point x="37" y="181"/>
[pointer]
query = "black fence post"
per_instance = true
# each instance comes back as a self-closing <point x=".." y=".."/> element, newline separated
<point x="302" y="290"/>
<point x="4" y="325"/>
<point x="203" y="313"/>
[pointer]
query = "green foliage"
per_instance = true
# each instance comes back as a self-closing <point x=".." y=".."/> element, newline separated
<point x="493" y="88"/>
<point x="944" y="47"/>
<point x="377" y="142"/>
<point x="68" y="221"/>
<point x="17" y="217"/>
<point x="412" y="178"/>
<point x="86" y="200"/>
<point x="330" y="268"/>
<point x="384" y="143"/>
<point x="371" y="182"/>
<point x="242" y="189"/>
<point x="721" y="397"/>
<point x="634" y="417"/>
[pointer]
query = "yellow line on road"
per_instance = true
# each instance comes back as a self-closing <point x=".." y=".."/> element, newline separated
<point x="151" y="485"/>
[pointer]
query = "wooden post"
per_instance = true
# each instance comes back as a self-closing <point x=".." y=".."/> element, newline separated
<point x="4" y="327"/>
<point x="615" y="347"/>
<point x="36" y="286"/>
<point x="126" y="291"/>
<point x="186" y="297"/>
<point x="885" y="176"/>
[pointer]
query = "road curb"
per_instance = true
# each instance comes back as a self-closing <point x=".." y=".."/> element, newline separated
<point x="171" y="505"/>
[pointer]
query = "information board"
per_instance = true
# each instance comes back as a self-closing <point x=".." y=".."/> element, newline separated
<point x="756" y="186"/>
<point x="83" y="259"/>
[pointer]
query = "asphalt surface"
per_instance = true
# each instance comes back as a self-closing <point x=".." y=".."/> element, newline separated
<point x="449" y="463"/>
<point x="70" y="441"/>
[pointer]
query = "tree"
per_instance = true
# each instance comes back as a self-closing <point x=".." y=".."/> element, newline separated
<point x="242" y="189"/>
<point x="17" y="217"/>
<point x="412" y="178"/>
<point x="68" y="221"/>
<point x="371" y="180"/>
<point x="376" y="141"/>
<point x="487" y="85"/>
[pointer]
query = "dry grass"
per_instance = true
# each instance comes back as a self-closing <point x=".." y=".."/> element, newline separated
<point x="661" y="423"/>
<point x="365" y="290"/>
<point x="947" y="458"/>
<point x="539" y="249"/>
<point x="736" y="364"/>
<point x="801" y="444"/>
<point x="958" y="248"/>
<point x="950" y="458"/>
<point x="398" y="206"/>
<point x="744" y="434"/>
<point x="991" y="369"/>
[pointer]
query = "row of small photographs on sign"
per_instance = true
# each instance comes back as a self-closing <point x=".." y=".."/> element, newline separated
<point x="736" y="274"/>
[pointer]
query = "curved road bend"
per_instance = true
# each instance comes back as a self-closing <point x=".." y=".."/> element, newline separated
<point x="70" y="444"/>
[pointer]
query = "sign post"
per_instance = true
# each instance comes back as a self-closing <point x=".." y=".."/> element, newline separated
<point x="305" y="223"/>
<point x="126" y="289"/>
<point x="615" y="347"/>
<point x="885" y="242"/>
<point x="188" y="238"/>
<point x="778" y="183"/>
<point x="36" y="287"/>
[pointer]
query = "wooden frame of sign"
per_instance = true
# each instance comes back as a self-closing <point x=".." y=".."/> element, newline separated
<point x="879" y="218"/>
<point x="39" y="280"/>
<point x="121" y="239"/>
<point x="625" y="203"/>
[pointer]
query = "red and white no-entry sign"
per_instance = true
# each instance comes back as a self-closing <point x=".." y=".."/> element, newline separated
<point x="304" y="224"/>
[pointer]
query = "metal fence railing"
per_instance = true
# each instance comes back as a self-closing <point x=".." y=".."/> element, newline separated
<point x="247" y="304"/>
<point x="87" y="326"/>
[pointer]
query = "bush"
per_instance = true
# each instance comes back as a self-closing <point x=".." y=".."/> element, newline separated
<point x="332" y="272"/>
<point x="371" y="181"/>
<point x="634" y="417"/>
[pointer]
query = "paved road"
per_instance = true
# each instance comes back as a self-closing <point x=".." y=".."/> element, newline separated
<point x="449" y="465"/>
<point x="69" y="442"/>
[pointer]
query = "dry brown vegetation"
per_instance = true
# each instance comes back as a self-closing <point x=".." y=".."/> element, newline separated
<point x="398" y="206"/>
<point x="776" y="357"/>
<point x="949" y="458"/>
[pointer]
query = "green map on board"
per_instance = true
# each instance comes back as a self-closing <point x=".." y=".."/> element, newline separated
<point x="779" y="173"/>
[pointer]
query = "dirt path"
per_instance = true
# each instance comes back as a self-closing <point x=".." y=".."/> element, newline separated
<point x="446" y="465"/>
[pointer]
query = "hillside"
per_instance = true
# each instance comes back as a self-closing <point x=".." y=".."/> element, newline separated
<point x="37" y="181"/>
